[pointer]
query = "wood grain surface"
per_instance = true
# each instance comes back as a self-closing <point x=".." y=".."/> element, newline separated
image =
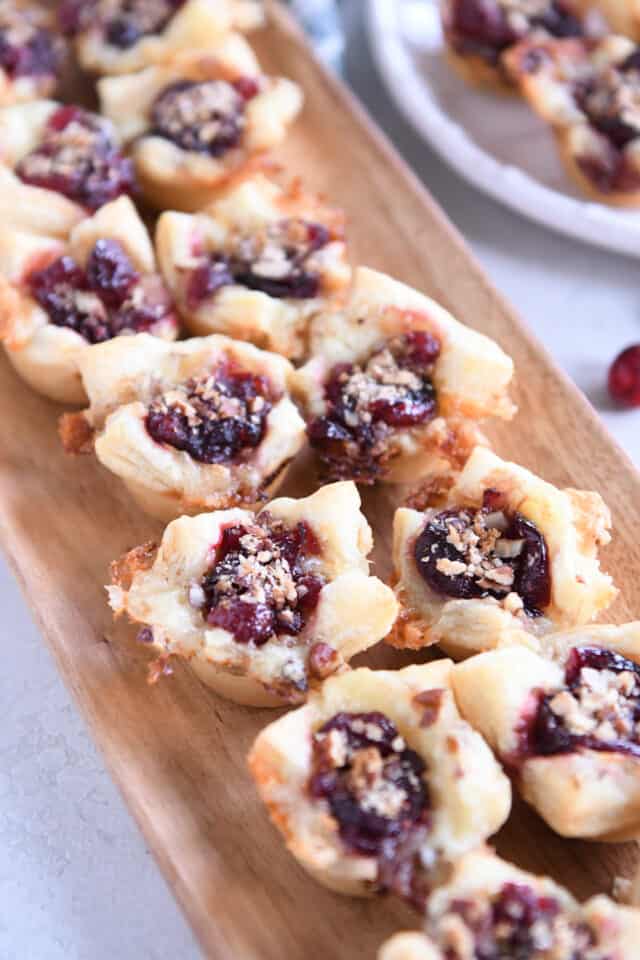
<point x="175" y="750"/>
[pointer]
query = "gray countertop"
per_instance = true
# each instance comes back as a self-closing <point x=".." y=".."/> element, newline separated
<point x="77" y="882"/>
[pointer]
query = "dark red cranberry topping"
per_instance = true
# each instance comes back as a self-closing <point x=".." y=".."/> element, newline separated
<point x="27" y="50"/>
<point x="261" y="585"/>
<point x="368" y="403"/>
<point x="520" y="924"/>
<point x="207" y="117"/>
<point x="106" y="299"/>
<point x="123" y="23"/>
<point x="275" y="263"/>
<point x="485" y="553"/>
<point x="374" y="785"/>
<point x="217" y="418"/>
<point x="624" y="377"/>
<point x="485" y="28"/>
<point x="79" y="158"/>
<point x="599" y="708"/>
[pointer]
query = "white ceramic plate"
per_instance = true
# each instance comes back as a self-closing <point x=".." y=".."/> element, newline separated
<point x="495" y="142"/>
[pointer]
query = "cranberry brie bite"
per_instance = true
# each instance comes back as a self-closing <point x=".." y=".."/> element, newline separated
<point x="30" y="53"/>
<point x="256" y="264"/>
<point x="198" y="120"/>
<point x="56" y="300"/>
<point x="590" y="95"/>
<point x="378" y="784"/>
<point x="58" y="164"/>
<point x="567" y="723"/>
<point x="491" y="910"/>
<point x="262" y="606"/>
<point x="203" y="424"/>
<point x="395" y="387"/>
<point x="502" y="553"/>
<point x="478" y="32"/>
<point x="120" y="36"/>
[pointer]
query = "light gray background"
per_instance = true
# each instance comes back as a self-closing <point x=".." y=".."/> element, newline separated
<point x="77" y="882"/>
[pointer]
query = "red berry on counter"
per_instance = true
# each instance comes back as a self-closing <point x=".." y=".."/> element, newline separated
<point x="624" y="377"/>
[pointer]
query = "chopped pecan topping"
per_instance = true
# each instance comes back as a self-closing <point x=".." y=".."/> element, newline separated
<point x="263" y="584"/>
<point x="598" y="708"/>
<point x="486" y="553"/>
<point x="375" y="788"/>
<point x="277" y="260"/>
<point x="219" y="417"/>
<point x="369" y="403"/>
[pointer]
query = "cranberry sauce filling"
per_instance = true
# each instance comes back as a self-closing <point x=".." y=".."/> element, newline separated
<point x="367" y="403"/>
<point x="216" y="418"/>
<point x="207" y="117"/>
<point x="515" y="924"/>
<point x="104" y="300"/>
<point x="485" y="553"/>
<point x="79" y="158"/>
<point x="485" y="28"/>
<point x="598" y="709"/>
<point x="374" y="786"/>
<point x="262" y="583"/>
<point x="275" y="262"/>
<point x="611" y="101"/>
<point x="26" y="49"/>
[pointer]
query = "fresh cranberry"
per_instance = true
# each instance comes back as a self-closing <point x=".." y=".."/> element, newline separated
<point x="371" y="741"/>
<point x="79" y="158"/>
<point x="298" y="240"/>
<point x="259" y="586"/>
<point x="32" y="56"/>
<point x="469" y="538"/>
<point x="547" y="733"/>
<point x="247" y="87"/>
<point x="624" y="377"/>
<point x="367" y="403"/>
<point x="226" y="416"/>
<point x="96" y="302"/>
<point x="205" y="117"/>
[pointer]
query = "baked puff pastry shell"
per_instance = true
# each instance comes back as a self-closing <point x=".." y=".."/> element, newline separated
<point x="583" y="90"/>
<point x="127" y="379"/>
<point x="468" y="796"/>
<point x="163" y="590"/>
<point x="45" y="354"/>
<point x="191" y="25"/>
<point x="530" y="909"/>
<point x="256" y="114"/>
<point x="406" y="354"/>
<point x="565" y="720"/>
<point x="31" y="53"/>
<point x="286" y="244"/>
<point x="572" y="524"/>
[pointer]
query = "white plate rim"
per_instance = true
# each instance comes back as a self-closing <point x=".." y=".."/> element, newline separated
<point x="590" y="222"/>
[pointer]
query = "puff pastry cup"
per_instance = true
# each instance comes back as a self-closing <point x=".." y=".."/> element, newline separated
<point x="503" y="553"/>
<point x="203" y="424"/>
<point x="58" y="163"/>
<point x="262" y="606"/>
<point x="58" y="299"/>
<point x="478" y="32"/>
<point x="256" y="264"/>
<point x="396" y="387"/>
<point x="566" y="721"/>
<point x="198" y="120"/>
<point x="30" y="53"/>
<point x="490" y="908"/>
<point x="589" y="93"/>
<point x="122" y="36"/>
<point x="377" y="783"/>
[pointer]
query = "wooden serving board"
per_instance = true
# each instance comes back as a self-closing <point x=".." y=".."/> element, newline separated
<point x="176" y="751"/>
